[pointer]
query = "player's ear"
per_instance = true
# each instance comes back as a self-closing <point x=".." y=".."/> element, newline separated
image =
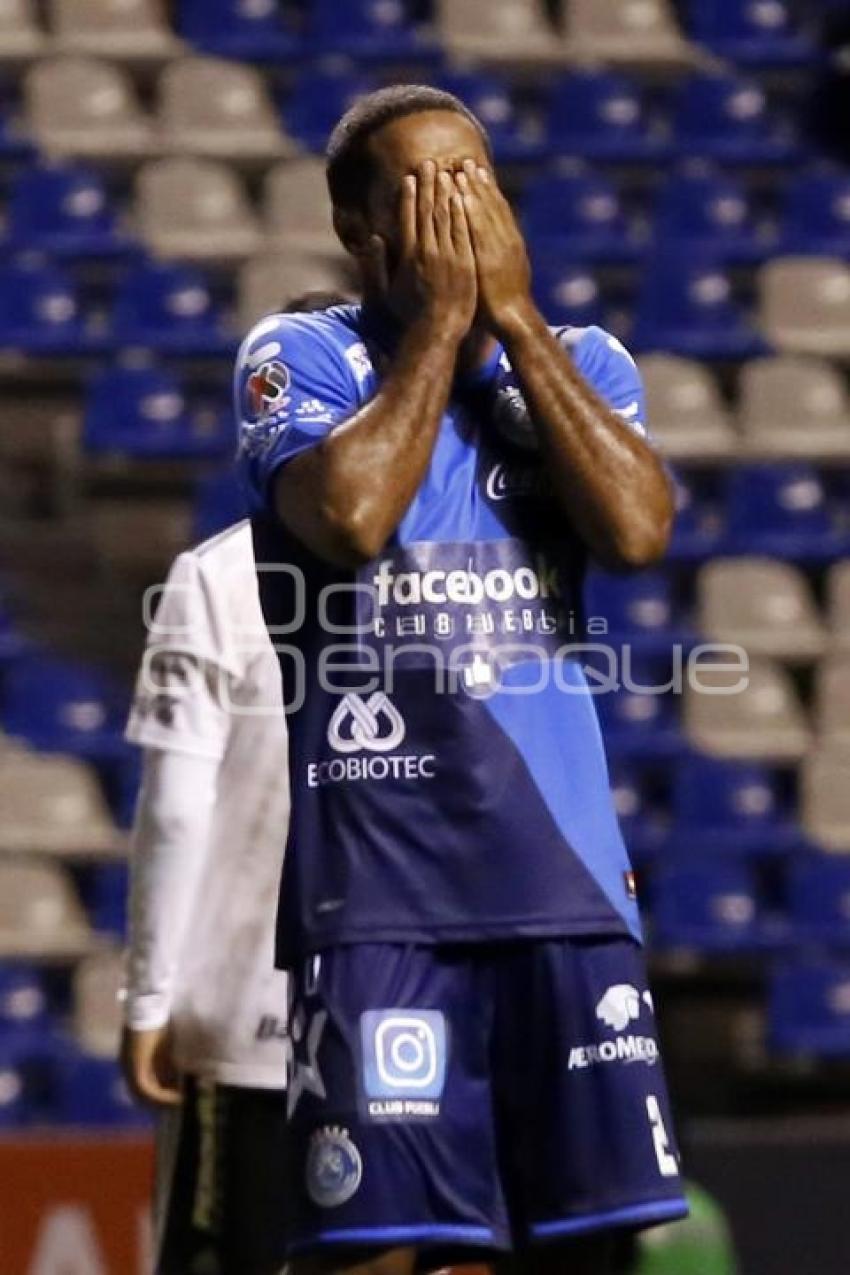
<point x="352" y="231"/>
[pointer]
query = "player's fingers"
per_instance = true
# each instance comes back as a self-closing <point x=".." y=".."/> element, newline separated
<point x="426" y="180"/>
<point x="160" y="1091"/>
<point x="461" y="238"/>
<point x="442" y="213"/>
<point x="473" y="212"/>
<point x="407" y="213"/>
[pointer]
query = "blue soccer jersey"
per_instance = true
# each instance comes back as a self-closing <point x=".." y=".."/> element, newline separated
<point x="448" y="775"/>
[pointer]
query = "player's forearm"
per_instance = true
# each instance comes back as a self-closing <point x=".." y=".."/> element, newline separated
<point x="609" y="481"/>
<point x="345" y="498"/>
<point x="169" y="845"/>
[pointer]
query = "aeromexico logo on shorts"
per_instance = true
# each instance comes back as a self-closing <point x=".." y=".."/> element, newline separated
<point x="621" y="1006"/>
<point x="367" y="732"/>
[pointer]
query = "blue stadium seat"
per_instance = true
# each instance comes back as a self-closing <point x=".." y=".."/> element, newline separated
<point x="637" y="722"/>
<point x="104" y="893"/>
<point x="63" y="209"/>
<point x="568" y="294"/>
<point x="143" y="412"/>
<point x="12" y="642"/>
<point x="14" y="1108"/>
<point x="251" y="30"/>
<point x="23" y="1001"/>
<point x="601" y="116"/>
<point x="755" y="33"/>
<point x="718" y="116"/>
<point x="730" y="808"/>
<point x="40" y="311"/>
<point x="60" y="706"/>
<point x="816" y="214"/>
<point x="819" y="898"/>
<point x="91" y="1091"/>
<point x="369" y="30"/>
<point x="809" y="1008"/>
<point x="15" y="143"/>
<point x="644" y="821"/>
<point x="219" y="502"/>
<point x="699" y="524"/>
<point x="782" y="511"/>
<point x="686" y="307"/>
<point x="578" y="216"/>
<point x="169" y="308"/>
<point x="710" y="906"/>
<point x="704" y="212"/>
<point x="490" y="98"/>
<point x="317" y="101"/>
<point x="637" y="609"/>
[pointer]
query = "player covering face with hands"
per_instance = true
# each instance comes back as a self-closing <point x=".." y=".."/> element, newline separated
<point x="475" y="1067"/>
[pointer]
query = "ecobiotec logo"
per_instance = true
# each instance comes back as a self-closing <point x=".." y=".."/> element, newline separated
<point x="366" y="732"/>
<point x="464" y="586"/>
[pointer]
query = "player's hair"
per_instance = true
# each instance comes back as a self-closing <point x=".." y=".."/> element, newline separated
<point x="349" y="163"/>
<point x="312" y="302"/>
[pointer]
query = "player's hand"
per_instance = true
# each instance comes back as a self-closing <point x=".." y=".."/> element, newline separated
<point x="504" y="274"/>
<point x="436" y="278"/>
<point x="148" y="1065"/>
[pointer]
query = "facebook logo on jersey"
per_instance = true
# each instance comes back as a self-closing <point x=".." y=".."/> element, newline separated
<point x="404" y="1062"/>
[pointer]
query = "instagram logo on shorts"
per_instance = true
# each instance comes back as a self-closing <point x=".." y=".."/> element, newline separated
<point x="404" y="1053"/>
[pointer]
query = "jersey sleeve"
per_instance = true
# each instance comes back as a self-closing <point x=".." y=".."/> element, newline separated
<point x="293" y="383"/>
<point x="613" y="373"/>
<point x="183" y="688"/>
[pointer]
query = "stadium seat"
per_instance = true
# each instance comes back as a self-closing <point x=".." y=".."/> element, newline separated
<point x="64" y="210"/>
<point x="644" y="822"/>
<point x="730" y="807"/>
<point x="86" y="109"/>
<point x="489" y="97"/>
<point x="91" y="1092"/>
<point x="120" y="30"/>
<point x="568" y="294"/>
<point x="805" y="305"/>
<point x="318" y="100"/>
<point x="782" y="511"/>
<point x="369" y="30"/>
<point x="818" y="891"/>
<point x="220" y="110"/>
<point x="40" y="913"/>
<point x="832" y="701"/>
<point x="21" y="37"/>
<point x="751" y="33"/>
<point x="838" y="606"/>
<point x="719" y="116"/>
<point x="701" y="211"/>
<point x="143" y="412"/>
<point x="137" y="539"/>
<point x="62" y="706"/>
<point x="40" y="311"/>
<point x="195" y="209"/>
<point x="53" y="805"/>
<point x="809" y="1008"/>
<point x="505" y="32"/>
<point x="254" y="32"/>
<point x="297" y="210"/>
<point x="640" y="719"/>
<point x="686" y="307"/>
<point x="268" y="283"/>
<point x="699" y="524"/>
<point x="636" y="609"/>
<point x="602" y="117"/>
<point x="794" y="407"/>
<point x="219" y="503"/>
<point x="763" y="721"/>
<point x="578" y="216"/>
<point x="815" y="215"/>
<point x="825" y="798"/>
<point x="98" y="982"/>
<point x="14" y="1107"/>
<point x="23" y="1000"/>
<point x="169" y="308"/>
<point x="637" y="33"/>
<point x="687" y="415"/>
<point x="105" y="893"/>
<point x="765" y="606"/>
<point x="709" y="906"/>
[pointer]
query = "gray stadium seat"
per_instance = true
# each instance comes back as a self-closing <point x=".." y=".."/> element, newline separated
<point x="825" y="798"/>
<point x="53" y="804"/>
<point x="297" y="210"/>
<point x="195" y="209"/>
<point x="763" y="605"/>
<point x="267" y="283"/>
<point x="221" y="110"/>
<point x="685" y="411"/>
<point x="838" y="605"/>
<point x="139" y="538"/>
<point x="832" y="701"/>
<point x="84" y="108"/>
<point x="98" y="984"/>
<point x="763" y="722"/>
<point x="21" y="38"/>
<point x="791" y="406"/>
<point x="509" y="32"/>
<point x="805" y="305"/>
<point x="40" y="913"/>
<point x="122" y="30"/>
<point x="634" y="33"/>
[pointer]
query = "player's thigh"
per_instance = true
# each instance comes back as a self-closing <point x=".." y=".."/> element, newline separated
<point x="391" y="1133"/>
<point x="582" y="1087"/>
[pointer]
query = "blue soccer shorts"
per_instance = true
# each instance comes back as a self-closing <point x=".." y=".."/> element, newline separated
<point x="484" y="1096"/>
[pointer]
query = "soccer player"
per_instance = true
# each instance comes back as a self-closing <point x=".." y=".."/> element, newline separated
<point x="475" y="1062"/>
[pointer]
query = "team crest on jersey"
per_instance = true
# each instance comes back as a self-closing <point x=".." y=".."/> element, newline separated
<point x="334" y="1167"/>
<point x="265" y="389"/>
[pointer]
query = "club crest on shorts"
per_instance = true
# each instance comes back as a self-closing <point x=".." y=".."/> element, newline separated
<point x="334" y="1167"/>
